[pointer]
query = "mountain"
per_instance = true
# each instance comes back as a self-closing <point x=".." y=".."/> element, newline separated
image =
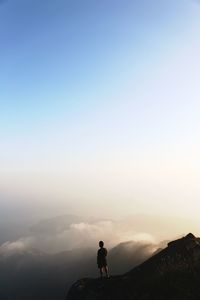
<point x="172" y="273"/>
<point x="36" y="275"/>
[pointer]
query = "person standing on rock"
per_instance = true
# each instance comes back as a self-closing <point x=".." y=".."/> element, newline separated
<point x="102" y="259"/>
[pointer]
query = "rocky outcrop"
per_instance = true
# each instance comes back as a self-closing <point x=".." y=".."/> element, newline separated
<point x="173" y="273"/>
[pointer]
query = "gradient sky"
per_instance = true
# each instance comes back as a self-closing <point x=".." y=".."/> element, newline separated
<point x="100" y="106"/>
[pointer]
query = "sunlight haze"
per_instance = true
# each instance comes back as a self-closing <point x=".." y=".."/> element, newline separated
<point x="99" y="108"/>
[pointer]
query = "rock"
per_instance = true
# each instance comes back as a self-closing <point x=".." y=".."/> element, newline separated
<point x="173" y="273"/>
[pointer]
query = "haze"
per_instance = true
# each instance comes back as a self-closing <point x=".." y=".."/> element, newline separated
<point x="99" y="109"/>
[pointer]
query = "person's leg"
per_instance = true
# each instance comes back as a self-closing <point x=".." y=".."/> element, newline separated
<point x="101" y="272"/>
<point x="106" y="271"/>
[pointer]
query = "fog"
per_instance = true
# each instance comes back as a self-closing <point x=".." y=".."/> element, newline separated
<point x="55" y="252"/>
<point x="36" y="275"/>
<point x="48" y="255"/>
<point x="68" y="232"/>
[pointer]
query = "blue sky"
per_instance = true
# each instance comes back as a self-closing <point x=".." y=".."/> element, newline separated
<point x="56" y="53"/>
<point x="99" y="99"/>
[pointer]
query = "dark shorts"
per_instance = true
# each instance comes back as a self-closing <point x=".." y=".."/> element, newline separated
<point x="102" y="264"/>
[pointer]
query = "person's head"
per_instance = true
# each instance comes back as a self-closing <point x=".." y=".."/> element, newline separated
<point x="101" y="244"/>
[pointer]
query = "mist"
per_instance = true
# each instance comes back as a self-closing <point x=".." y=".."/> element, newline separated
<point x="52" y="253"/>
<point x="68" y="232"/>
<point x="55" y="252"/>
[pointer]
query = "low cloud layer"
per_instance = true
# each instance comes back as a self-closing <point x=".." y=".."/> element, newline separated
<point x="67" y="245"/>
<point x="74" y="235"/>
<point x="31" y="274"/>
<point x="68" y="232"/>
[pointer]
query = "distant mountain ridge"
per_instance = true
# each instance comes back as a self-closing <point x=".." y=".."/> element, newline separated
<point x="172" y="273"/>
<point x="36" y="275"/>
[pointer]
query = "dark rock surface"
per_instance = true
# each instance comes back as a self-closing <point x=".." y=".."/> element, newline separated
<point x="173" y="273"/>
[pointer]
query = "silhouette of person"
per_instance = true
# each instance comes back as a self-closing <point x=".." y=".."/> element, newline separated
<point x="102" y="259"/>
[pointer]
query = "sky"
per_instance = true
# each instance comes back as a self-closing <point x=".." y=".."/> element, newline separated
<point x="99" y="107"/>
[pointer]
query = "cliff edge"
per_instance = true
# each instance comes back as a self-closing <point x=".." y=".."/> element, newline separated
<point x="172" y="273"/>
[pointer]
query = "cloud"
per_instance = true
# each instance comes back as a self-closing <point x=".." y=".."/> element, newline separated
<point x="75" y="235"/>
<point x="69" y="232"/>
<point x="12" y="246"/>
<point x="9" y="248"/>
<point x="33" y="269"/>
<point x="65" y="233"/>
<point x="37" y="257"/>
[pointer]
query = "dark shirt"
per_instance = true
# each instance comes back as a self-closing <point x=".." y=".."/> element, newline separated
<point x="101" y="257"/>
